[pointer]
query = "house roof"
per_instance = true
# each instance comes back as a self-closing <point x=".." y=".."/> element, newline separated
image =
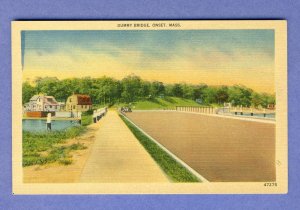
<point x="83" y="99"/>
<point x="34" y="98"/>
<point x="50" y="100"/>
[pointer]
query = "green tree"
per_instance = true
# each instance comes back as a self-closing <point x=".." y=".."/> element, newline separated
<point x="210" y="95"/>
<point x="157" y="88"/>
<point x="240" y="95"/>
<point x="27" y="92"/>
<point x="222" y="94"/>
<point x="169" y="90"/>
<point x="187" y="91"/>
<point x="177" y="90"/>
<point x="267" y="99"/>
<point x="131" y="88"/>
<point x="47" y="85"/>
<point x="107" y="90"/>
<point x="145" y="89"/>
<point x="199" y="91"/>
<point x="256" y="99"/>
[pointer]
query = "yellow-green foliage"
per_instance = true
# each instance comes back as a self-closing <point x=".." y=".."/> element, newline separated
<point x="161" y="103"/>
<point x="41" y="148"/>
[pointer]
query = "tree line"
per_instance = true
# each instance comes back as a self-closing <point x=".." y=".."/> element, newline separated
<point x="107" y="90"/>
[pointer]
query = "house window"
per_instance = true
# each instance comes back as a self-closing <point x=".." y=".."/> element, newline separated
<point x="50" y="106"/>
<point x="73" y="106"/>
<point x="70" y="99"/>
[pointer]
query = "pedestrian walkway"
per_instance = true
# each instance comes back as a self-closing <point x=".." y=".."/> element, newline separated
<point x="117" y="156"/>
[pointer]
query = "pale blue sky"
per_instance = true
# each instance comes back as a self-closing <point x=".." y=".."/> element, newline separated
<point x="237" y="52"/>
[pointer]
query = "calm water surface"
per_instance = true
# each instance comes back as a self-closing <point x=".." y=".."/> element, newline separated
<point x="40" y="125"/>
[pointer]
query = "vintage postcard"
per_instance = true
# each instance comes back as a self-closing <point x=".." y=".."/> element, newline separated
<point x="152" y="107"/>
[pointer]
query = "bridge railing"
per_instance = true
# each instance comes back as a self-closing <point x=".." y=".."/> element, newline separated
<point x="198" y="109"/>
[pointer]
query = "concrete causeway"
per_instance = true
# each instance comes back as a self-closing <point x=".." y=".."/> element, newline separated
<point x="118" y="157"/>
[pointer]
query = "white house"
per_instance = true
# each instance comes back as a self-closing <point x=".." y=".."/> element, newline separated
<point x="42" y="103"/>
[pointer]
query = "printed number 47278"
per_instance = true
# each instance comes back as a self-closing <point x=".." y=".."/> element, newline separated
<point x="270" y="184"/>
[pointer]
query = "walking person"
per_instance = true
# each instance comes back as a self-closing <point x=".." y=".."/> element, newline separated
<point x="49" y="122"/>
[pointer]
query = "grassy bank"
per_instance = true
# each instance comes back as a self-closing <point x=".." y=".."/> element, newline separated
<point x="47" y="147"/>
<point x="86" y="119"/>
<point x="175" y="171"/>
<point x="161" y="103"/>
<point x="42" y="148"/>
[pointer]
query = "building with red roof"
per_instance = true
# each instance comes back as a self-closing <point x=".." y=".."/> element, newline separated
<point x="79" y="102"/>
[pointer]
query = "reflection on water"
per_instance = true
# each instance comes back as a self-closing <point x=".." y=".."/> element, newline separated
<point x="40" y="125"/>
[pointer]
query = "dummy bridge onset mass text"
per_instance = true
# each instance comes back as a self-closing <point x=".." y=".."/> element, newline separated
<point x="149" y="25"/>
